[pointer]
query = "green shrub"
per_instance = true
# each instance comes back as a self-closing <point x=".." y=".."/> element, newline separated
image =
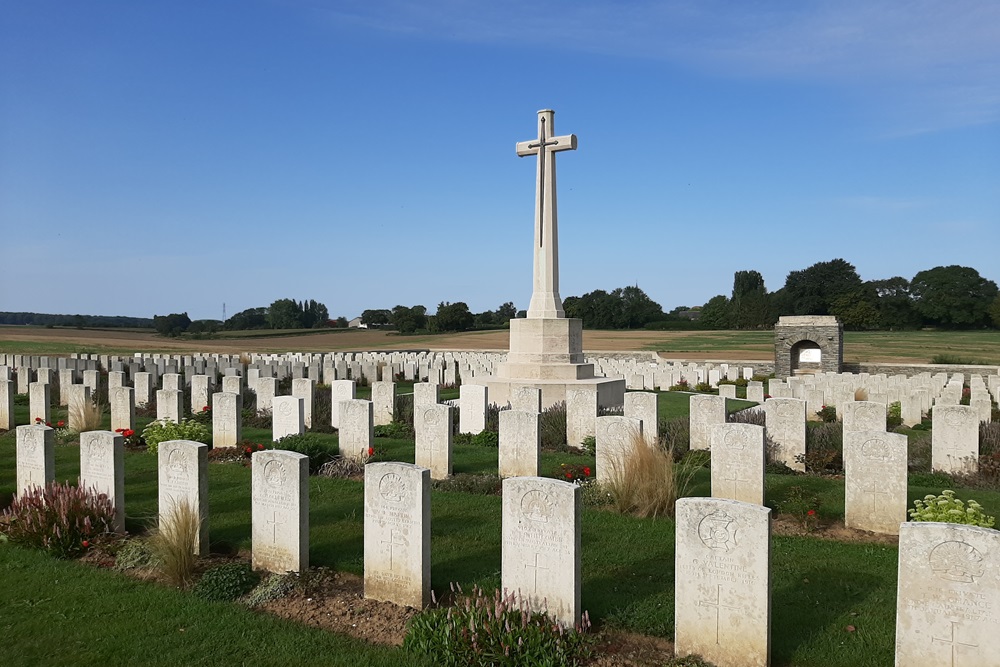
<point x="552" y="426"/>
<point x="402" y="409"/>
<point x="949" y="509"/>
<point x="164" y="430"/>
<point x="273" y="587"/>
<point x="495" y="630"/>
<point x="134" y="554"/>
<point x="589" y="444"/>
<point x="894" y="416"/>
<point x="827" y="413"/>
<point x="226" y="582"/>
<point x="395" y="430"/>
<point x="704" y="388"/>
<point x="824" y="448"/>
<point x="675" y="435"/>
<point x="21" y="399"/>
<point x="682" y="385"/>
<point x="310" y="444"/>
<point x="58" y="518"/>
<point x="484" y="485"/>
<point x="481" y="439"/>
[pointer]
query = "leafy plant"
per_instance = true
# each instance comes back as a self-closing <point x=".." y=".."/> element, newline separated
<point x="682" y="385"/>
<point x="62" y="519"/>
<point x="483" y="485"/>
<point x="164" y="430"/>
<point x="482" y="439"/>
<point x="949" y="509"/>
<point x="310" y="444"/>
<point x="395" y="430"/>
<point x="574" y="472"/>
<point x="495" y="630"/>
<point x="552" y="426"/>
<point x="827" y="413"/>
<point x="134" y="554"/>
<point x="226" y="582"/>
<point x="174" y="543"/>
<point x="802" y="506"/>
<point x="824" y="449"/>
<point x="272" y="587"/>
<point x="894" y="415"/>
<point x="589" y="444"/>
<point x="675" y="436"/>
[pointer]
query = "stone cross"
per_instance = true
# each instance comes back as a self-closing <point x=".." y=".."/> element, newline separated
<point x="545" y="301"/>
<point x="718" y="606"/>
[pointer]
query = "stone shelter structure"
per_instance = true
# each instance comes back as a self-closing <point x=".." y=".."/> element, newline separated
<point x="808" y="344"/>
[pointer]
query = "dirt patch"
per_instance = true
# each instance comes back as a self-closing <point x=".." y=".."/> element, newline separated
<point x="625" y="649"/>
<point x="834" y="530"/>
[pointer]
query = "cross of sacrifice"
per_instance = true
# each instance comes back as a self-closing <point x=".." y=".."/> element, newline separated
<point x="545" y="301"/>
<point x="953" y="642"/>
<point x="535" y="567"/>
<point x="717" y="604"/>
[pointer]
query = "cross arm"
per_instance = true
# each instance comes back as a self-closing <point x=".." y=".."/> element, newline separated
<point x="567" y="142"/>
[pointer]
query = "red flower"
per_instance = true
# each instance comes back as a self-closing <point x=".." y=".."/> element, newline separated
<point x="86" y="544"/>
<point x="248" y="450"/>
<point x="60" y="424"/>
<point x="586" y="471"/>
<point x="38" y="419"/>
<point x="205" y="409"/>
<point x="49" y="424"/>
<point x="569" y="475"/>
<point x="127" y="432"/>
<point x="119" y="430"/>
<point x="811" y="512"/>
<point x="371" y="451"/>
<point x="260" y="446"/>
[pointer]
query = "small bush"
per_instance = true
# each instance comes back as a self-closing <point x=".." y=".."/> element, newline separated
<point x="164" y="430"/>
<point x="824" y="449"/>
<point x="481" y="439"/>
<point x="894" y="416"/>
<point x="552" y="426"/>
<point x="21" y="399"/>
<point x="704" y="388"/>
<point x="495" y="630"/>
<point x="402" y="409"/>
<point x="675" y="436"/>
<point x="949" y="509"/>
<point x="273" y="587"/>
<point x="648" y="481"/>
<point x="310" y="444"/>
<point x="60" y="519"/>
<point x="589" y="444"/>
<point x="395" y="430"/>
<point x="827" y="413"/>
<point x="802" y="506"/>
<point x="682" y="385"/>
<point x="226" y="582"/>
<point x="134" y="554"/>
<point x="175" y="542"/>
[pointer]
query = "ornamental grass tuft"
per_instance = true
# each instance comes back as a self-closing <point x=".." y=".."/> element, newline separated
<point x="648" y="481"/>
<point x="175" y="542"/>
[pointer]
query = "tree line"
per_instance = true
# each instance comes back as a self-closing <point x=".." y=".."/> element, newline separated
<point x="93" y="321"/>
<point x="281" y="314"/>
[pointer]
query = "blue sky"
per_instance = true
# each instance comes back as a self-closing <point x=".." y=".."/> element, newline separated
<point x="160" y="157"/>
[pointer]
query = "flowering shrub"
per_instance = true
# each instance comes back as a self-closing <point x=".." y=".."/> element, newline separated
<point x="132" y="439"/>
<point x="250" y="447"/>
<point x="164" y="430"/>
<point x="496" y="629"/>
<point x="61" y="519"/>
<point x="802" y="506"/>
<point x="682" y="385"/>
<point x="203" y="416"/>
<point x="575" y="472"/>
<point x="827" y="413"/>
<point x="949" y="509"/>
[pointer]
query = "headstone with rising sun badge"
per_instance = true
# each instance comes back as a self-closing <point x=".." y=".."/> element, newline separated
<point x="398" y="533"/>
<point x="722" y="581"/>
<point x="102" y="469"/>
<point x="183" y="482"/>
<point x="948" y="596"/>
<point x="541" y="545"/>
<point x="280" y="516"/>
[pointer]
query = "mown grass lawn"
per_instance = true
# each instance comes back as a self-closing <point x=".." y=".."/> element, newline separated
<point x="56" y="612"/>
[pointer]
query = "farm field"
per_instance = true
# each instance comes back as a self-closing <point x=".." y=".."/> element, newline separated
<point x="876" y="346"/>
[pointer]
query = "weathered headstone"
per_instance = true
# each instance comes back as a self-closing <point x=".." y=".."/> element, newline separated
<point x="357" y="429"/>
<point x="947" y="596"/>
<point x="384" y="402"/>
<point x="169" y="405"/>
<point x="6" y="405"/>
<point x="524" y="398"/>
<point x="705" y="412"/>
<point x="227" y="419"/>
<point x="143" y="387"/>
<point x="183" y="481"/>
<point x="738" y="460"/>
<point x="303" y="388"/>
<point x="541" y="545"/>
<point x="340" y="390"/>
<point x="785" y="423"/>
<point x="864" y="416"/>
<point x="473" y="404"/>
<point x="286" y="417"/>
<point x="581" y="414"/>
<point x="643" y="406"/>
<point x="727" y="390"/>
<point x="722" y="591"/>
<point x="954" y="439"/>
<point x="398" y="533"/>
<point x="122" y="408"/>
<point x="35" y="456"/>
<point x="232" y="384"/>
<point x="78" y="397"/>
<point x="280" y="515"/>
<point x="172" y="381"/>
<point x="102" y="468"/>
<point x="266" y="389"/>
<point x="199" y="393"/>
<point x="616" y="437"/>
<point x="520" y="443"/>
<point x="432" y="425"/>
<point x="874" y="480"/>
<point x="425" y="394"/>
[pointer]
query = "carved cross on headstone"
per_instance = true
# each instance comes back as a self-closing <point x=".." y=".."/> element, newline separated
<point x="392" y="542"/>
<point x="718" y="606"/>
<point x="274" y="522"/>
<point x="535" y="567"/>
<point x="734" y="478"/>
<point x="953" y="642"/>
<point x="545" y="301"/>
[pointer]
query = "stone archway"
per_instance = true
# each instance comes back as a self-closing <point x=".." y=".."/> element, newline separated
<point x="806" y="357"/>
<point x="808" y="344"/>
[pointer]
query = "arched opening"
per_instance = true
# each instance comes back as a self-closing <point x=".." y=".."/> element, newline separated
<point x="807" y="358"/>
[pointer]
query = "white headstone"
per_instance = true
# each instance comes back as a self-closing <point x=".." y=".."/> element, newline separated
<point x="947" y="596"/>
<point x="102" y="468"/>
<point x="340" y="390"/>
<point x="785" y="423"/>
<point x="384" y="402"/>
<point x="199" y="393"/>
<point x="875" y="480"/>
<point x="122" y="408"/>
<point x="357" y="429"/>
<point x="472" y="407"/>
<point x="644" y="406"/>
<point x="954" y="439"/>
<point x="183" y="480"/>
<point x="525" y="398"/>
<point x="280" y="516"/>
<point x="541" y="545"/>
<point x="266" y="389"/>
<point x="722" y="591"/>
<point x="143" y="387"/>
<point x="303" y="388"/>
<point x="286" y="417"/>
<point x="424" y="394"/>
<point x="227" y="419"/>
<point x="398" y="533"/>
<point x="520" y="443"/>
<point x="738" y="460"/>
<point x="432" y="425"/>
<point x="35" y="457"/>
<point x="864" y="416"/>
<point x="169" y="405"/>
<point x="581" y="415"/>
<point x="616" y="436"/>
<point x="6" y="405"/>
<point x="705" y="412"/>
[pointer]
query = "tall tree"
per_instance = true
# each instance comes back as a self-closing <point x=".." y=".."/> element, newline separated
<point x="284" y="314"/>
<point x="453" y="317"/>
<point x="894" y="304"/>
<point x="953" y="296"/>
<point x="173" y="324"/>
<point x="750" y="306"/>
<point x="376" y="317"/>
<point x="716" y="314"/>
<point x="408" y="320"/>
<point x="812" y="290"/>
